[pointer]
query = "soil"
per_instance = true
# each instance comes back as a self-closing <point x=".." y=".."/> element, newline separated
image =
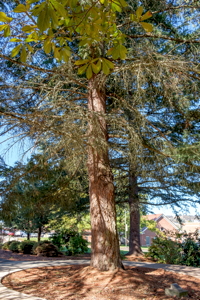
<point x="75" y="282"/>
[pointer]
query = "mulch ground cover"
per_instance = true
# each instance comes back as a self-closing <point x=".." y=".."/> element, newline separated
<point x="75" y="282"/>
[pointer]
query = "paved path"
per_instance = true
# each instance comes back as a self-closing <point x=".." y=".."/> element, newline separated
<point x="7" y="267"/>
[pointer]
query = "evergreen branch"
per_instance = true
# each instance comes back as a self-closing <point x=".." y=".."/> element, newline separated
<point x="151" y="35"/>
<point x="175" y="7"/>
<point x="41" y="69"/>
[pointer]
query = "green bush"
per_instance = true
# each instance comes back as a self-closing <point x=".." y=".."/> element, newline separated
<point x="26" y="247"/>
<point x="190" y="253"/>
<point x="176" y="248"/>
<point x="71" y="240"/>
<point x="76" y="245"/>
<point x="14" y="246"/>
<point x="6" y="245"/>
<point x="46" y="248"/>
<point x="62" y="237"/>
<point x="58" y="239"/>
<point x="165" y="250"/>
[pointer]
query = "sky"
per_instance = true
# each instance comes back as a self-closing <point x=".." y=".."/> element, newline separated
<point x="12" y="153"/>
<point x="16" y="153"/>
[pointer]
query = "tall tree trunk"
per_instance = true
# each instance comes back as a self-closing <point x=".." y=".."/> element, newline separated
<point x="28" y="236"/>
<point x="39" y="233"/>
<point x="105" y="243"/>
<point x="134" y="237"/>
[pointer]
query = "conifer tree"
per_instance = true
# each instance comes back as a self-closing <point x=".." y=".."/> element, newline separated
<point x="70" y="111"/>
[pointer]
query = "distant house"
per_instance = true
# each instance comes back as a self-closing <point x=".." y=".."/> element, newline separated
<point x="146" y="235"/>
<point x="162" y="223"/>
<point x="191" y="227"/>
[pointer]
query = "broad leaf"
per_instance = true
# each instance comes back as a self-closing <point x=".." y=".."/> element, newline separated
<point x="123" y="3"/>
<point x="47" y="46"/>
<point x="7" y="30"/>
<point x="14" y="39"/>
<point x="65" y="54"/>
<point x="32" y="1"/>
<point x="146" y="16"/>
<point x="109" y="52"/>
<point x="29" y="28"/>
<point x="82" y="69"/>
<point x="109" y="63"/>
<point x="81" y="62"/>
<point x="20" y="8"/>
<point x="147" y="27"/>
<point x="105" y="68"/>
<point x="116" y="7"/>
<point x="59" y="7"/>
<point x="16" y="50"/>
<point x="23" y="55"/>
<point x="123" y="51"/>
<point x="133" y="18"/>
<point x="116" y="52"/>
<point x="57" y="53"/>
<point x="2" y="27"/>
<point x="96" y="68"/>
<point x="89" y="72"/>
<point x="38" y="8"/>
<point x="4" y="18"/>
<point x="54" y="18"/>
<point x="139" y="12"/>
<point x="43" y="21"/>
<point x="30" y="48"/>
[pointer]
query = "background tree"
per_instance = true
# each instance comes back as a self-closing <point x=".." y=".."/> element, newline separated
<point x="32" y="194"/>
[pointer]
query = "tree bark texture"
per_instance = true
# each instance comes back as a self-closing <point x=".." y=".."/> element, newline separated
<point x="39" y="233"/>
<point x="134" y="237"/>
<point x="105" y="243"/>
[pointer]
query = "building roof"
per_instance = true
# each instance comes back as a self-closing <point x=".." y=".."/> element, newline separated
<point x="191" y="227"/>
<point x="156" y="218"/>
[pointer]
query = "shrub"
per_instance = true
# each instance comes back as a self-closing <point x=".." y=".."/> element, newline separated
<point x="46" y="248"/>
<point x="14" y="246"/>
<point x="183" y="249"/>
<point x="190" y="253"/>
<point x="6" y="245"/>
<point x="76" y="245"/>
<point x="164" y="250"/>
<point x="58" y="239"/>
<point x="62" y="237"/>
<point x="26" y="247"/>
<point x="39" y="244"/>
<point x="70" y="239"/>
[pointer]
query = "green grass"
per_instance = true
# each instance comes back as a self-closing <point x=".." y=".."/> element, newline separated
<point x="33" y="239"/>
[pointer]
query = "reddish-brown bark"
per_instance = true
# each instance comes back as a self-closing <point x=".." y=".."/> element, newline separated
<point x="134" y="237"/>
<point x="105" y="244"/>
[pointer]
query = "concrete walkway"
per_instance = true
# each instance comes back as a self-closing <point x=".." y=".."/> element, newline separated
<point x="7" y="267"/>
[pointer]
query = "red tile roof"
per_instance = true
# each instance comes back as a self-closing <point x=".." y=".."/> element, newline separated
<point x="153" y="217"/>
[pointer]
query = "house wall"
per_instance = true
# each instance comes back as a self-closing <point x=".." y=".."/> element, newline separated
<point x="143" y="237"/>
<point x="191" y="227"/>
<point x="164" y="224"/>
